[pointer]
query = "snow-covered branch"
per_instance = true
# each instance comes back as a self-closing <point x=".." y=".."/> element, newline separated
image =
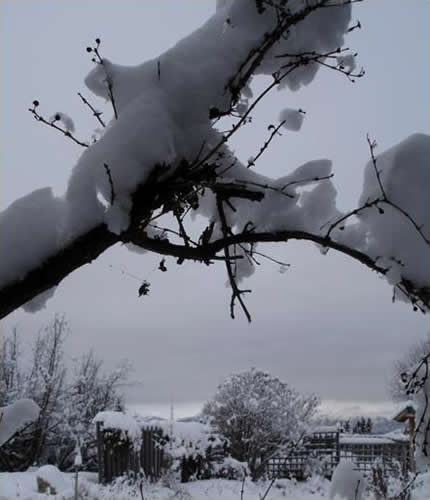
<point x="162" y="157"/>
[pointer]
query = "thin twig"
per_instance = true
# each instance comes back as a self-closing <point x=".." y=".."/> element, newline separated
<point x="112" y="191"/>
<point x="52" y="124"/>
<point x="385" y="199"/>
<point x="100" y="60"/>
<point x="263" y="148"/>
<point x="95" y="112"/>
<point x="236" y="293"/>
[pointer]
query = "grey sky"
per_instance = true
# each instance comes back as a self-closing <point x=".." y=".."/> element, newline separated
<point x="327" y="325"/>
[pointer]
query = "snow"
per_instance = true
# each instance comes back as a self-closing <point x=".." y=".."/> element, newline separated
<point x="347" y="62"/>
<point x="396" y="435"/>
<point x="16" y="416"/>
<point x="39" y="302"/>
<point x="64" y="119"/>
<point x="292" y="119"/>
<point x="23" y="485"/>
<point x="402" y="405"/>
<point x="186" y="439"/>
<point x="78" y="457"/>
<point x="117" y="421"/>
<point x="32" y="224"/>
<point x="54" y="477"/>
<point x="188" y="431"/>
<point x="405" y="176"/>
<point x="368" y="439"/>
<point x="156" y="125"/>
<point x="347" y="483"/>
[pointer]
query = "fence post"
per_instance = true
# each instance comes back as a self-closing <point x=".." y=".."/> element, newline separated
<point x="337" y="449"/>
<point x="100" y="453"/>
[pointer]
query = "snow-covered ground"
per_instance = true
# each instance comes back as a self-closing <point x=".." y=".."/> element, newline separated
<point x="23" y="486"/>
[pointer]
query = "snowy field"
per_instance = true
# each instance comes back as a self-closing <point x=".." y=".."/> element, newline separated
<point x="23" y="486"/>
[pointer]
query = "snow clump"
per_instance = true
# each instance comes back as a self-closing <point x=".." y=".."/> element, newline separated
<point x="292" y="119"/>
<point x="68" y="123"/>
<point x="16" y="416"/>
<point x="127" y="426"/>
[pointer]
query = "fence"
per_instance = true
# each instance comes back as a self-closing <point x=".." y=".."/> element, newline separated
<point x="319" y="445"/>
<point x="117" y="457"/>
<point x="364" y="453"/>
<point x="330" y="447"/>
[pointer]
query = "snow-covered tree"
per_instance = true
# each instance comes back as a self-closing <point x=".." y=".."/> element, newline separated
<point x="416" y="382"/>
<point x="362" y="426"/>
<point x="259" y="415"/>
<point x="410" y="358"/>
<point x="89" y="391"/>
<point x="67" y="402"/>
<point x="165" y="155"/>
<point x="11" y="383"/>
<point x="43" y="382"/>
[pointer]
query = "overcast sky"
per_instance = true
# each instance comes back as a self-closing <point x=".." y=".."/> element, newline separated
<point x="327" y="325"/>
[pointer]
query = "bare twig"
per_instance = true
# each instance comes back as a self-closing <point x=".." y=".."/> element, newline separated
<point x="275" y="131"/>
<point x="112" y="191"/>
<point x="385" y="199"/>
<point x="52" y="124"/>
<point x="236" y="292"/>
<point x="99" y="60"/>
<point x="96" y="113"/>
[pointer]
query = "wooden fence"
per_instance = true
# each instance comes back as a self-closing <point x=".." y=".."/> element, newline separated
<point x="319" y="445"/>
<point x="364" y="454"/>
<point x="118" y="457"/>
<point x="330" y="448"/>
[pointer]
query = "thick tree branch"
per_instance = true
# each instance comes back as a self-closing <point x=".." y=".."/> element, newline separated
<point x="89" y="246"/>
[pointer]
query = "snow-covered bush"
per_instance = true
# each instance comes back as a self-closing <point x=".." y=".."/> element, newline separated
<point x="193" y="450"/>
<point x="317" y="465"/>
<point x="258" y="415"/>
<point x="230" y="468"/>
<point x="389" y="482"/>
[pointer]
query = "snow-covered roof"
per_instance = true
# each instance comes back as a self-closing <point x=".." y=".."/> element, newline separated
<point x="371" y="439"/>
<point x="403" y="410"/>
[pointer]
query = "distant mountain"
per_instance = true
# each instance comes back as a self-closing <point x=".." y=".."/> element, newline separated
<point x="381" y="425"/>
